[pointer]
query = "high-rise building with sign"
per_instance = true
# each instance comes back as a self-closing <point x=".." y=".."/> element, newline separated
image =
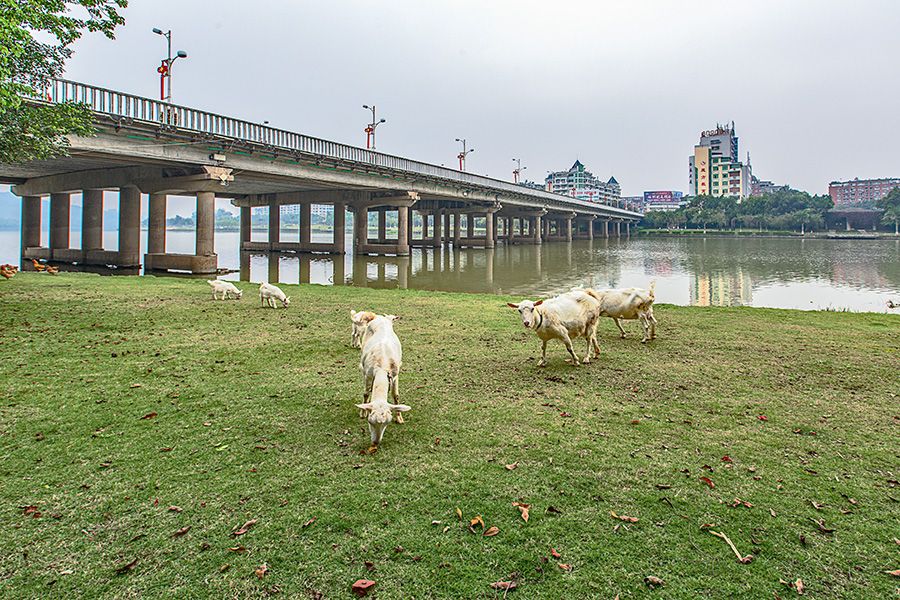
<point x="714" y="168"/>
<point x="580" y="183"/>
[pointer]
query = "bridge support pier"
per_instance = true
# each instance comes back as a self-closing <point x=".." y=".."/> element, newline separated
<point x="59" y="221"/>
<point x="204" y="260"/>
<point x="274" y="231"/>
<point x="31" y="231"/>
<point x="382" y="245"/>
<point x="92" y="220"/>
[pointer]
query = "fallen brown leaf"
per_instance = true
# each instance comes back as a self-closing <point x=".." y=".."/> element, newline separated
<point x="224" y="568"/>
<point x="653" y="581"/>
<point x="763" y="418"/>
<point x="708" y="482"/>
<point x="816" y="505"/>
<point x="476" y="521"/>
<point x="181" y="531"/>
<point x="895" y="573"/>
<point x="361" y="587"/>
<point x="554" y="510"/>
<point x="126" y="567"/>
<point x="174" y="508"/>
<point x="261" y="571"/>
<point x="370" y="566"/>
<point x="504" y="585"/>
<point x="308" y="523"/>
<point x="523" y="509"/>
<point x="492" y="531"/>
<point x="821" y="525"/>
<point x="565" y="567"/>
<point x="150" y="415"/>
<point x="245" y="527"/>
<point x="512" y="466"/>
<point x="727" y="459"/>
<point x="625" y="518"/>
<point x="798" y="585"/>
<point x="554" y="553"/>
<point x="459" y="513"/>
<point x="135" y="385"/>
<point x="238" y="549"/>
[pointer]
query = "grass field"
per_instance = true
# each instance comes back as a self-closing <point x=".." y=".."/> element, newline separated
<point x="123" y="397"/>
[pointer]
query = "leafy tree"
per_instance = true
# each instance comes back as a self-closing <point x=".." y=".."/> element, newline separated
<point x="35" y="40"/>
<point x="890" y="204"/>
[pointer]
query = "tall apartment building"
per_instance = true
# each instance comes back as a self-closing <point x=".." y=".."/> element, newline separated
<point x="715" y="169"/>
<point x="580" y="183"/>
<point x="861" y="192"/>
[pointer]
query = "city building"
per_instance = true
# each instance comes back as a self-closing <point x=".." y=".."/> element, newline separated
<point x="861" y="192"/>
<point x="759" y="187"/>
<point x="715" y="169"/>
<point x="580" y="183"/>
<point x="664" y="200"/>
<point x="634" y="202"/>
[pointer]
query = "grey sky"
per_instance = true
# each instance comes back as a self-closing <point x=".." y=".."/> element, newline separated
<point x="626" y="87"/>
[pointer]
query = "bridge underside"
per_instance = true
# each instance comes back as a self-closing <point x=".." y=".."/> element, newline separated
<point x="407" y="209"/>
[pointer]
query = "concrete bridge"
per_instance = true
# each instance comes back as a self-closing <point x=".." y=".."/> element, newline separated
<point x="146" y="146"/>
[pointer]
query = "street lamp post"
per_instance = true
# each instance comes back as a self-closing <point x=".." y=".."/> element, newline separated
<point x="518" y="170"/>
<point x="462" y="155"/>
<point x="165" y="69"/>
<point x="370" y="128"/>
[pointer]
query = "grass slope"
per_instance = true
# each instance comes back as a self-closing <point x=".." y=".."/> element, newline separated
<point x="255" y="420"/>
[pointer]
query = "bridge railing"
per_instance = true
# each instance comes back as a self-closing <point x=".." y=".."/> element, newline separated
<point x="120" y="104"/>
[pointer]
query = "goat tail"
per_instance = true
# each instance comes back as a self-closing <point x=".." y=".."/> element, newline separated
<point x="592" y="293"/>
<point x="653" y="290"/>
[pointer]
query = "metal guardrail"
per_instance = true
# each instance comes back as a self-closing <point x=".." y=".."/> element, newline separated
<point x="119" y="104"/>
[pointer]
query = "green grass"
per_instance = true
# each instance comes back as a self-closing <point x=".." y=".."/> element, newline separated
<point x="255" y="420"/>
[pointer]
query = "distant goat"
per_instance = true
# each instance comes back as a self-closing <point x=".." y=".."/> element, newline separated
<point x="269" y="293"/>
<point x="629" y="303"/>
<point x="382" y="356"/>
<point x="360" y="320"/>
<point x="225" y="288"/>
<point x="571" y="315"/>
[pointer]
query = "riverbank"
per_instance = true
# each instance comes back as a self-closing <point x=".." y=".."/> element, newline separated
<point x="145" y="423"/>
<point x="752" y="233"/>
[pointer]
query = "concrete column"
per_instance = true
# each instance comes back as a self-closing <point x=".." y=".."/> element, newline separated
<point x="457" y="229"/>
<point x="496" y="229"/>
<point x="436" y="234"/>
<point x="538" y="229"/>
<point x="446" y="228"/>
<point x="424" y="226"/>
<point x="618" y="229"/>
<point x="403" y="228"/>
<point x="246" y="226"/>
<point x="510" y="230"/>
<point x="206" y="223"/>
<point x="305" y="223"/>
<point x="156" y="224"/>
<point x="130" y="226"/>
<point x="340" y="238"/>
<point x="361" y="228"/>
<point x="31" y="222"/>
<point x="470" y="225"/>
<point x="304" y="268"/>
<point x="410" y="213"/>
<point x="92" y="220"/>
<point x="274" y="224"/>
<point x="59" y="221"/>
<point x="606" y="228"/>
<point x="628" y="229"/>
<point x="489" y="230"/>
<point x="569" y="229"/>
<point x="590" y="225"/>
<point x="382" y="225"/>
<point x="274" y="260"/>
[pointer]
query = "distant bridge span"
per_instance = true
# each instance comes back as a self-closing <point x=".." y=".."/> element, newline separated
<point x="148" y="146"/>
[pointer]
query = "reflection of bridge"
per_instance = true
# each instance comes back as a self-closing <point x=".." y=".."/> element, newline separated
<point x="147" y="146"/>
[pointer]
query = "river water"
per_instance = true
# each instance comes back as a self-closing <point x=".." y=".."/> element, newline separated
<point x="811" y="274"/>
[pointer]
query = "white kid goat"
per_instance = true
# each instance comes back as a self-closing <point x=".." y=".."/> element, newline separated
<point x="225" y="288"/>
<point x="572" y="315"/>
<point x="269" y="293"/>
<point x="629" y="303"/>
<point x="380" y="363"/>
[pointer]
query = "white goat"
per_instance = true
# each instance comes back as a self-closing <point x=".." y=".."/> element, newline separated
<point x="571" y="315"/>
<point x="225" y="288"/>
<point x="380" y="363"/>
<point x="360" y="320"/>
<point x="629" y="303"/>
<point x="269" y="293"/>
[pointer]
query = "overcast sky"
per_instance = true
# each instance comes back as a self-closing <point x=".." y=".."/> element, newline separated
<point x="626" y="87"/>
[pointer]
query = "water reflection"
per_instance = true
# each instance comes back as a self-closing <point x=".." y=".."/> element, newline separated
<point x="788" y="273"/>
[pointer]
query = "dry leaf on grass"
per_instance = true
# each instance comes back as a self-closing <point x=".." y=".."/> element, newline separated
<point x="708" y="482"/>
<point x="361" y="587"/>
<point x="308" y="523"/>
<point x="261" y="571"/>
<point x="523" y="509"/>
<point x="181" y="531"/>
<point x="652" y="581"/>
<point x="150" y="415"/>
<point x="895" y="573"/>
<point x="126" y="567"/>
<point x="565" y="567"/>
<point x="504" y="585"/>
<point x="238" y="549"/>
<point x="245" y="527"/>
<point x="459" y="513"/>
<point x="512" y="466"/>
<point x="492" y="531"/>
<point x="476" y="521"/>
<point x="174" y="508"/>
<point x="625" y="518"/>
<point x="554" y="553"/>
